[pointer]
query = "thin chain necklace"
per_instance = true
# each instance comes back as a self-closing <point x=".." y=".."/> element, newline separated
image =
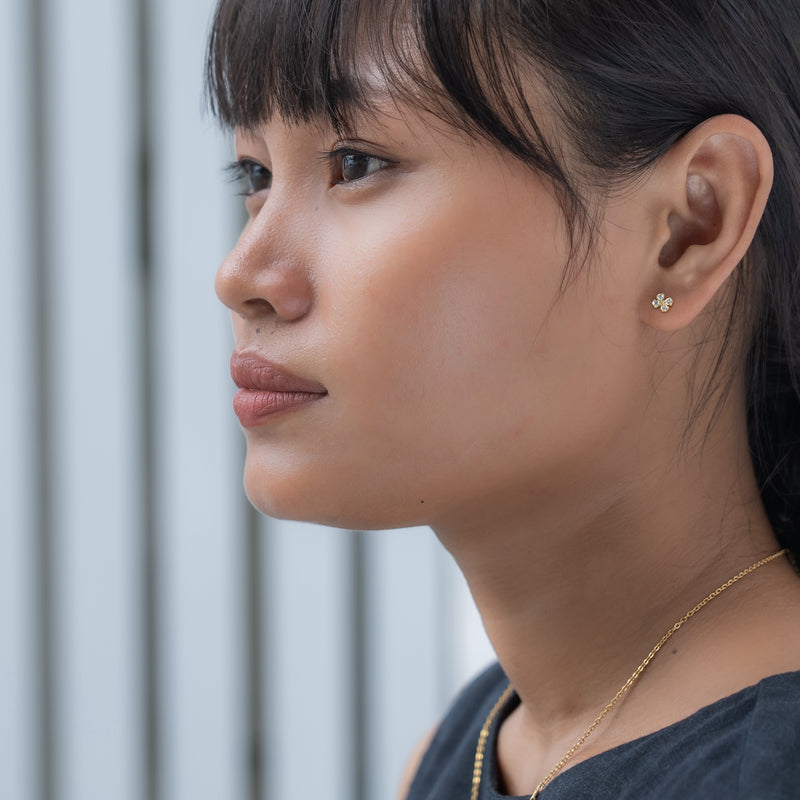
<point x="477" y="771"/>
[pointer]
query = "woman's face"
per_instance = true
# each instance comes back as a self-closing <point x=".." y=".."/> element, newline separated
<point x="409" y="281"/>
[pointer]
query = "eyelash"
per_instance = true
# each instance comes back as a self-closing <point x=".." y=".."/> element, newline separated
<point x="245" y="171"/>
<point x="242" y="173"/>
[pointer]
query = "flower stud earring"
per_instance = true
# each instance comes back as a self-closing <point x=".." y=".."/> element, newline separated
<point x="663" y="303"/>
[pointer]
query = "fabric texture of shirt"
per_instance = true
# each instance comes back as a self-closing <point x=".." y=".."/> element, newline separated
<point x="743" y="746"/>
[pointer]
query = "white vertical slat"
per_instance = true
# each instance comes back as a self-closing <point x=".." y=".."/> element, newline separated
<point x="422" y="641"/>
<point x="425" y="641"/>
<point x="92" y="205"/>
<point x="407" y="649"/>
<point x="17" y="427"/>
<point x="200" y="519"/>
<point x="472" y="650"/>
<point x="308" y="661"/>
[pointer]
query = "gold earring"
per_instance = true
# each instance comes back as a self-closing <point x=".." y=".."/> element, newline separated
<point x="662" y="302"/>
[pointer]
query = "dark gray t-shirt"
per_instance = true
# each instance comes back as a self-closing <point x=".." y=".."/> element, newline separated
<point x="743" y="746"/>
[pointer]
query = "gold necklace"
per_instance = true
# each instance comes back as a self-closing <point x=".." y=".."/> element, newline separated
<point x="477" y="771"/>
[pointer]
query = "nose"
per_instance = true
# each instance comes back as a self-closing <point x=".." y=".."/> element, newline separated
<point x="266" y="273"/>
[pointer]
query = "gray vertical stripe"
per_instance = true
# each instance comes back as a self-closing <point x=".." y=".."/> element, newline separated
<point x="256" y="711"/>
<point x="147" y="401"/>
<point x="360" y="654"/>
<point x="42" y="513"/>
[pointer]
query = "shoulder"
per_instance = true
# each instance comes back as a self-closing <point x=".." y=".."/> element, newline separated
<point x="748" y="743"/>
<point x="442" y="764"/>
<point x="743" y="746"/>
<point x="770" y="744"/>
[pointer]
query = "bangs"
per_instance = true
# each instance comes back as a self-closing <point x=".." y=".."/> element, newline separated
<point x="293" y="58"/>
<point x="309" y="60"/>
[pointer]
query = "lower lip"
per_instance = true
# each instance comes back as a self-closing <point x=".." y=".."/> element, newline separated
<point x="255" y="407"/>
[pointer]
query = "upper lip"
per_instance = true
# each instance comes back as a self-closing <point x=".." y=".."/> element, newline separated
<point x="251" y="371"/>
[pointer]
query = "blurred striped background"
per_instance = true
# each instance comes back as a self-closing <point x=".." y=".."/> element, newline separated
<point x="158" y="639"/>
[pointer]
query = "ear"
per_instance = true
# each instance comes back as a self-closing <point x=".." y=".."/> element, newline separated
<point x="709" y="192"/>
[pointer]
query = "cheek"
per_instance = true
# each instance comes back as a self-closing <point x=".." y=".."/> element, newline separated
<point x="454" y="366"/>
<point x="436" y="322"/>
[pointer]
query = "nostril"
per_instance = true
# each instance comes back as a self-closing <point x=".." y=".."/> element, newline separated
<point x="258" y="307"/>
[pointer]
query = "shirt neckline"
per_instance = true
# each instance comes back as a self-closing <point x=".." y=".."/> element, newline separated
<point x="590" y="763"/>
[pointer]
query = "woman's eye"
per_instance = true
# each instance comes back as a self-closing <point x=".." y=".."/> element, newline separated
<point x="255" y="177"/>
<point x="258" y="176"/>
<point x="350" y="165"/>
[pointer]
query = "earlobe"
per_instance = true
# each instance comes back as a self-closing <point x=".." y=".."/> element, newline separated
<point x="714" y="185"/>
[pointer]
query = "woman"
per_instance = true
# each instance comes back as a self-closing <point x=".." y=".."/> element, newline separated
<point x="527" y="272"/>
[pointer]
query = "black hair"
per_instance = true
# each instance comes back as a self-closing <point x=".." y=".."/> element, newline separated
<point x="625" y="78"/>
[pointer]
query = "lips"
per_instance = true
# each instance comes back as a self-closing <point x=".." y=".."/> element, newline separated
<point x="266" y="389"/>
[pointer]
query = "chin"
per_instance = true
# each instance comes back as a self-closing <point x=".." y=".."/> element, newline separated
<point x="327" y="500"/>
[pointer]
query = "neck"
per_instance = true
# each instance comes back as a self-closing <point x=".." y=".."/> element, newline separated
<point x="575" y="586"/>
